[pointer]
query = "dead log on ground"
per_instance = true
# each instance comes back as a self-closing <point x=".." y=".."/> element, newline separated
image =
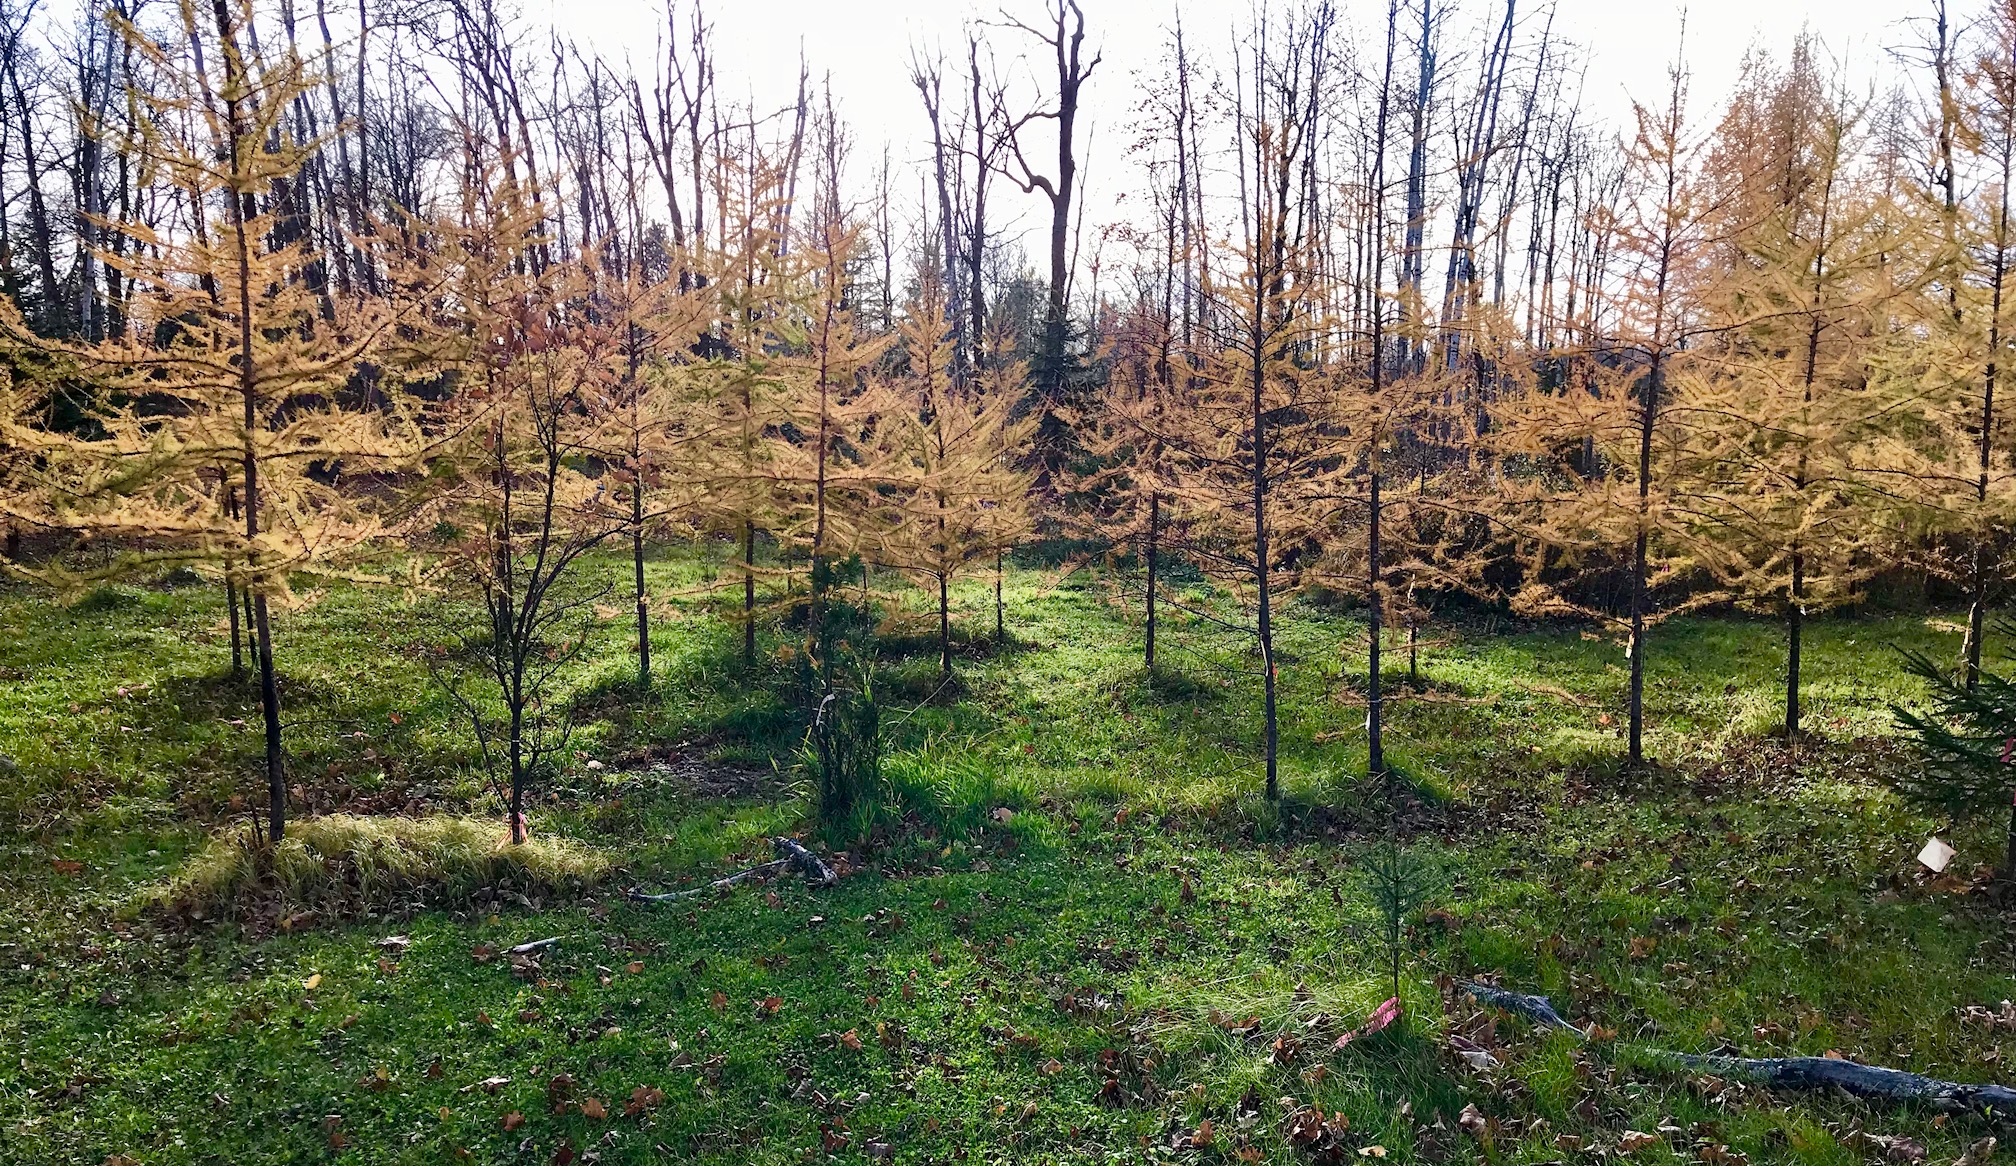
<point x="1869" y="1082"/>
<point x="815" y="872"/>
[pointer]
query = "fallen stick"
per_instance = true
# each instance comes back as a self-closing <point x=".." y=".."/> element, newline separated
<point x="815" y="873"/>
<point x="1537" y="1009"/>
<point x="1869" y="1082"/>
<point x="534" y="945"/>
<point x="809" y="865"/>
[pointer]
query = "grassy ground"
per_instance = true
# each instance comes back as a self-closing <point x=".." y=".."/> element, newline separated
<point x="1140" y="960"/>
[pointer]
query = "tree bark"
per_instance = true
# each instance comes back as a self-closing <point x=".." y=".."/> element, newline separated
<point x="1375" y="746"/>
<point x="1795" y="615"/>
<point x="637" y="565"/>
<point x="1648" y="418"/>
<point x="1154" y="524"/>
<point x="749" y="592"/>
<point x="248" y="387"/>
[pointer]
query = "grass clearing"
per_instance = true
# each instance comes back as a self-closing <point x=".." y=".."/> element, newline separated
<point x="1138" y="945"/>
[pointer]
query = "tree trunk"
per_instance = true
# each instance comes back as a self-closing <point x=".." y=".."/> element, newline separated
<point x="1648" y="417"/>
<point x="749" y="593"/>
<point x="1260" y="552"/>
<point x="269" y="703"/>
<point x="1795" y="615"/>
<point x="237" y="637"/>
<point x="1374" y="712"/>
<point x="1977" y="607"/>
<point x="1154" y="523"/>
<point x="643" y="600"/>
<point x="269" y="688"/>
<point x="944" y="627"/>
<point x="518" y="831"/>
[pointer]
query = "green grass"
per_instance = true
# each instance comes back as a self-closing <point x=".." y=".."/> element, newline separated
<point x="1037" y="985"/>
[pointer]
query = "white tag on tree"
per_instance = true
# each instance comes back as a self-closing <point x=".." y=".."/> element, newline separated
<point x="1936" y="855"/>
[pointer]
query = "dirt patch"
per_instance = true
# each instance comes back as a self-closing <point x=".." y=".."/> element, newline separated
<point x="686" y="766"/>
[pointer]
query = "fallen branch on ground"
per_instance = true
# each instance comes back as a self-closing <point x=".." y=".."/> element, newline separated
<point x="1869" y="1082"/>
<point x="790" y="854"/>
<point x="533" y="946"/>
<point x="1537" y="1009"/>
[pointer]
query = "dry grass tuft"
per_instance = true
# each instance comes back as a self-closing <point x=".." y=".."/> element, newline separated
<point x="342" y="864"/>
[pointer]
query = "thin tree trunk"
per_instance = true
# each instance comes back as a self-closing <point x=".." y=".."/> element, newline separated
<point x="944" y="627"/>
<point x="1795" y="615"/>
<point x="1260" y="550"/>
<point x="237" y="637"/>
<point x="749" y="593"/>
<point x="637" y="565"/>
<point x="1375" y="745"/>
<point x="518" y="831"/>
<point x="1977" y="608"/>
<point x="1648" y="417"/>
<point x="1154" y="524"/>
<point x="248" y="387"/>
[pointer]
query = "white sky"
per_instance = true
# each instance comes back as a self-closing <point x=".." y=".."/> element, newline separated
<point x="865" y="47"/>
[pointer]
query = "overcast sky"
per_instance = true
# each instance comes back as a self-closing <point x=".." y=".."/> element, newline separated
<point x="865" y="47"/>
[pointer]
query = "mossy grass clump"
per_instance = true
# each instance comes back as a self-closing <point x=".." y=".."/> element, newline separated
<point x="345" y="864"/>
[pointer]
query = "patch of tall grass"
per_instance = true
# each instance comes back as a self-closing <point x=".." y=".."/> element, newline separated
<point x="343" y="864"/>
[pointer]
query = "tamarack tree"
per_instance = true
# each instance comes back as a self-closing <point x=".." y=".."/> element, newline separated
<point x="958" y="498"/>
<point x="511" y="501"/>
<point x="224" y="425"/>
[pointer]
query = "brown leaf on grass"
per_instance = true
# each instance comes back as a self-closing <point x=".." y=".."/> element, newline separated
<point x="1051" y="1067"/>
<point x="1634" y="1140"/>
<point x="483" y="953"/>
<point x="634" y="967"/>
<point x="594" y="1109"/>
<point x="513" y="1120"/>
<point x="851" y="1039"/>
<point x="642" y="1098"/>
<point x="718" y="1001"/>
<point x="1642" y="946"/>
<point x="68" y="867"/>
<point x="1471" y="1121"/>
<point x="769" y="1005"/>
<point x="1203" y="1135"/>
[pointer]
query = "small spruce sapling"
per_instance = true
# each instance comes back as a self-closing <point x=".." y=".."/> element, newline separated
<point x="1398" y="881"/>
<point x="1966" y="741"/>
